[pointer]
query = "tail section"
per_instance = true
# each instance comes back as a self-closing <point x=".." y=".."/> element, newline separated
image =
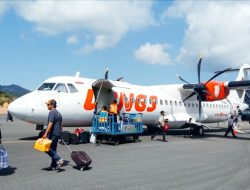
<point x="239" y="93"/>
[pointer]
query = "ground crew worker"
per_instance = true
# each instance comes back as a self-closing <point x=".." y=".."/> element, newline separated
<point x="162" y="123"/>
<point x="53" y="132"/>
<point x="231" y="122"/>
<point x="113" y="110"/>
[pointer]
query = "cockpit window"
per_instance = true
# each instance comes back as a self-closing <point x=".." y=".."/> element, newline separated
<point x="46" y="86"/>
<point x="60" y="87"/>
<point x="72" y="88"/>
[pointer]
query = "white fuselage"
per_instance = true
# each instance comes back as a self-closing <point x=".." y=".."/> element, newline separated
<point x="77" y="107"/>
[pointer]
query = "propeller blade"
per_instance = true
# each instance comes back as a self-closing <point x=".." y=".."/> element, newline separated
<point x="199" y="70"/>
<point x="119" y="79"/>
<point x="106" y="74"/>
<point x="179" y="77"/>
<point x="192" y="94"/>
<point x="199" y="99"/>
<point x="219" y="73"/>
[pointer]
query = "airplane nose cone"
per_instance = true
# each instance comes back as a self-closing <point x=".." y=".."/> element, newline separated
<point x="18" y="108"/>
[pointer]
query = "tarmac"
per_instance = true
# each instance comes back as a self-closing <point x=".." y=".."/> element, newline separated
<point x="182" y="163"/>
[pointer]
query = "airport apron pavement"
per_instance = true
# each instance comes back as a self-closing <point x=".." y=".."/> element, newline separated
<point x="210" y="162"/>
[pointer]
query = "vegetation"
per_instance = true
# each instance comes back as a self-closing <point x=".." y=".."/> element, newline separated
<point x="5" y="97"/>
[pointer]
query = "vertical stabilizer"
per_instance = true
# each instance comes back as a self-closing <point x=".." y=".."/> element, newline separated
<point x="239" y="94"/>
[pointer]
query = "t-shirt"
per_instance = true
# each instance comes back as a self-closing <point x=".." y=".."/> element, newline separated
<point x="56" y="118"/>
<point x="161" y="121"/>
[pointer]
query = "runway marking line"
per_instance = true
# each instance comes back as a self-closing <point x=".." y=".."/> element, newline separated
<point x="12" y="142"/>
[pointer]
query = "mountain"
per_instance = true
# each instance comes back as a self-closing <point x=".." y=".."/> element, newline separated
<point x="14" y="90"/>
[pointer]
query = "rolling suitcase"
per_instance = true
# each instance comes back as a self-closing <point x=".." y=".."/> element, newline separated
<point x="81" y="158"/>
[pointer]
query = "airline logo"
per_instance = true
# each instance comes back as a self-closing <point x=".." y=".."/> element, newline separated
<point x="126" y="101"/>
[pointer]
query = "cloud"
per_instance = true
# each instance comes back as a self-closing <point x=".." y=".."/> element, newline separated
<point x="3" y="7"/>
<point x="106" y="21"/>
<point x="153" y="54"/>
<point x="218" y="30"/>
<point x="73" y="39"/>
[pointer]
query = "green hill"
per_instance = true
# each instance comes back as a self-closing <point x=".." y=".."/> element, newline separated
<point x="5" y="97"/>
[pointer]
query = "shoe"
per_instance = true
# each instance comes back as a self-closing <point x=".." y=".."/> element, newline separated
<point x="235" y="136"/>
<point x="164" y="141"/>
<point x="59" y="164"/>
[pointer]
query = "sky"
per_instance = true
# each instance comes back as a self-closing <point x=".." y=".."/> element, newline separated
<point x="146" y="42"/>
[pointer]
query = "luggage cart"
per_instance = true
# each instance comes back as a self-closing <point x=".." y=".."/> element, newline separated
<point x="104" y="127"/>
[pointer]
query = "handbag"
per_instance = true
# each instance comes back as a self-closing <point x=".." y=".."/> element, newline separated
<point x="42" y="144"/>
<point x="92" y="138"/>
<point x="166" y="127"/>
<point x="3" y="158"/>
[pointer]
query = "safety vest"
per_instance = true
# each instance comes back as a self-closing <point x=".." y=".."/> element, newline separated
<point x="113" y="108"/>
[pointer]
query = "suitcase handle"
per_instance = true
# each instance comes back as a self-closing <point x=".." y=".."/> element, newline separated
<point x="66" y="145"/>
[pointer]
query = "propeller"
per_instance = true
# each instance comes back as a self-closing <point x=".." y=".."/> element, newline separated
<point x="200" y="88"/>
<point x="106" y="74"/>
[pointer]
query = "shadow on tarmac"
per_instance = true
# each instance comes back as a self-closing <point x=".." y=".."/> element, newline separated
<point x="29" y="138"/>
<point x="7" y="171"/>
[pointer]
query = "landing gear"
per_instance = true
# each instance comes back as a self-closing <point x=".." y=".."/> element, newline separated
<point x="197" y="130"/>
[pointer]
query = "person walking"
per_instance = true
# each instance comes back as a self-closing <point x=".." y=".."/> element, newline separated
<point x="53" y="132"/>
<point x="231" y="122"/>
<point x="161" y="129"/>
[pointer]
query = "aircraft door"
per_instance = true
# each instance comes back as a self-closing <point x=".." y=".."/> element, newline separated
<point x="104" y="94"/>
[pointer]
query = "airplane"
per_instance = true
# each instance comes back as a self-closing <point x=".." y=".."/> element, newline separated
<point x="190" y="105"/>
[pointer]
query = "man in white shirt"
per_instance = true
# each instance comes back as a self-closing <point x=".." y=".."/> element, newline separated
<point x="160" y="129"/>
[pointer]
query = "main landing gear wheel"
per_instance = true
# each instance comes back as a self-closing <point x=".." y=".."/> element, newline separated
<point x="197" y="130"/>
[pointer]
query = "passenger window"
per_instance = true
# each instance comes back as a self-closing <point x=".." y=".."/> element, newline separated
<point x="150" y="101"/>
<point x="139" y="100"/>
<point x="175" y="103"/>
<point x="192" y="104"/>
<point x="46" y="86"/>
<point x="60" y="87"/>
<point x="126" y="99"/>
<point x="171" y="103"/>
<point x="180" y="104"/>
<point x="188" y="104"/>
<point x="133" y="100"/>
<point x="161" y="102"/>
<point x="196" y="105"/>
<point x="185" y="104"/>
<point x="166" y="102"/>
<point x="156" y="102"/>
<point x="72" y="88"/>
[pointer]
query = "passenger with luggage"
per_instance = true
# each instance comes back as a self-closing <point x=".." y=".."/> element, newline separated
<point x="163" y="125"/>
<point x="53" y="132"/>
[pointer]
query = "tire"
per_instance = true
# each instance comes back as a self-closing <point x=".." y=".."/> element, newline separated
<point x="136" y="138"/>
<point x="116" y="141"/>
<point x="197" y="130"/>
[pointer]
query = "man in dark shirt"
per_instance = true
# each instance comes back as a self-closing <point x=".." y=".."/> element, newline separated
<point x="53" y="132"/>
